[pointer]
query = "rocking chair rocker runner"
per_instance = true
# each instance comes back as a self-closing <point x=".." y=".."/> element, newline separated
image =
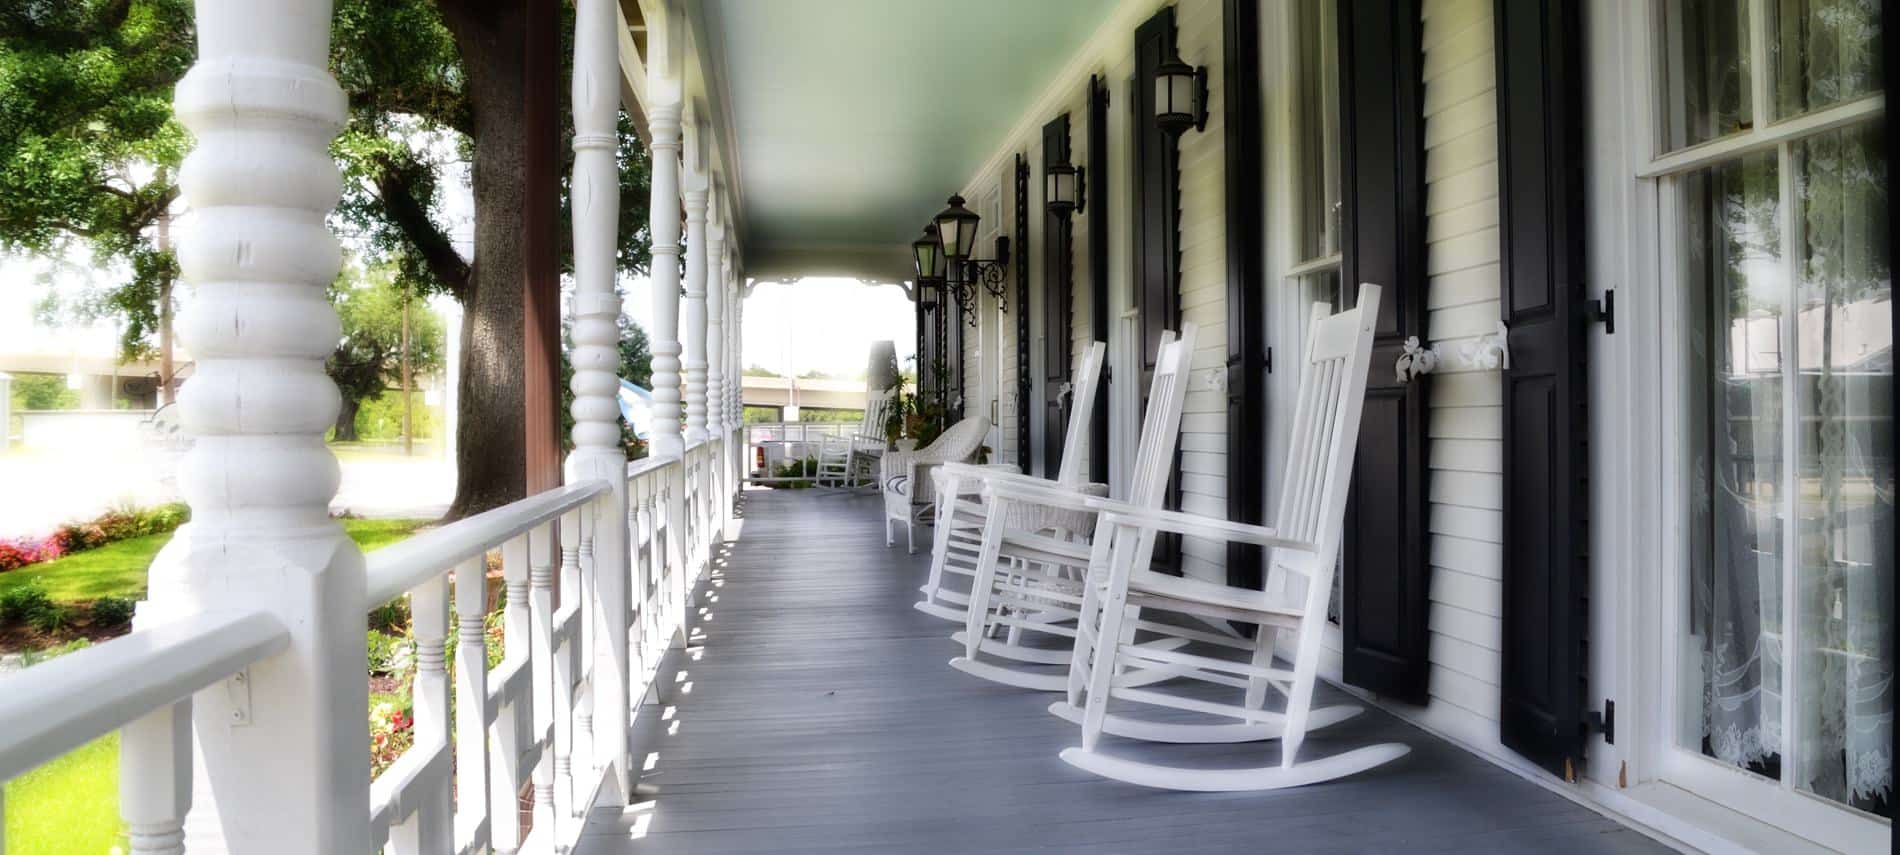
<point x="962" y="512"/>
<point x="1311" y="517"/>
<point x="1048" y="602"/>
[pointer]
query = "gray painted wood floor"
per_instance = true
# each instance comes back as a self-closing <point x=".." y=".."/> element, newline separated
<point x="821" y="717"/>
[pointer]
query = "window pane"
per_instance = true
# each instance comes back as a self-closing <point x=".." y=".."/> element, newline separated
<point x="1317" y="132"/>
<point x="1844" y="328"/>
<point x="1737" y="290"/>
<point x="1706" y="69"/>
<point x="1823" y="52"/>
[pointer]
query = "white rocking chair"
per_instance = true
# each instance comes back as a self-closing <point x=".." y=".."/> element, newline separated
<point x="904" y="476"/>
<point x="1304" y="543"/>
<point x="961" y="511"/>
<point x="1049" y="602"/>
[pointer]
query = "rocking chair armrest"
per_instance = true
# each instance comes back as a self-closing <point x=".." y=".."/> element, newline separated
<point x="1038" y="491"/>
<point x="1193" y="525"/>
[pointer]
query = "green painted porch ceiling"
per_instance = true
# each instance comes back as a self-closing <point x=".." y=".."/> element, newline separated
<point x="854" y="119"/>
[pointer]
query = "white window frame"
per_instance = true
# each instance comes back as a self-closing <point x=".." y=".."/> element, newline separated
<point x="1644" y="534"/>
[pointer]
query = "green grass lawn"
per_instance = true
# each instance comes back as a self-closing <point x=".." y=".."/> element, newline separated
<point x="68" y="805"/>
<point x="118" y="569"/>
<point x="71" y="805"/>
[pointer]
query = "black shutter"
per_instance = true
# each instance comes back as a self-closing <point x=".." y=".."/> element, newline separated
<point x="1890" y="19"/>
<point x="1057" y="297"/>
<point x="1246" y="300"/>
<point x="1023" y="378"/>
<point x="1541" y="150"/>
<point x="1096" y="181"/>
<point x="1157" y="210"/>
<point x="955" y="322"/>
<point x="1387" y="575"/>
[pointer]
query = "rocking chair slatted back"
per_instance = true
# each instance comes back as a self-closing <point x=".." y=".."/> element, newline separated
<point x="1161" y="425"/>
<point x="1088" y="374"/>
<point x="1325" y="436"/>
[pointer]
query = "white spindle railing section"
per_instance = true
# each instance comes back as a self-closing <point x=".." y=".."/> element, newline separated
<point x="481" y="735"/>
<point x="770" y="445"/>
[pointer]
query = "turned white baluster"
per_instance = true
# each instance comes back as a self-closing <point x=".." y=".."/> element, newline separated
<point x="432" y="829"/>
<point x="504" y="762"/>
<point x="693" y="311"/>
<point x="598" y="453"/>
<point x="471" y="698"/>
<point x="259" y="479"/>
<point x="155" y="780"/>
<point x="541" y="549"/>
<point x="565" y="665"/>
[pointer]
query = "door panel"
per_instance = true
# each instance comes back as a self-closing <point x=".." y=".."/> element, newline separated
<point x="1387" y="574"/>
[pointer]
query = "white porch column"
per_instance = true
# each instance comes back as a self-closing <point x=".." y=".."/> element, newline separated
<point x="693" y="313"/>
<point x="258" y="477"/>
<point x="597" y="453"/>
<point x="716" y="323"/>
<point x="663" y="122"/>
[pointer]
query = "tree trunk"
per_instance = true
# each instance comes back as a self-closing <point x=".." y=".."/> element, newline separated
<point x="167" y="387"/>
<point x="346" y="420"/>
<point x="490" y="449"/>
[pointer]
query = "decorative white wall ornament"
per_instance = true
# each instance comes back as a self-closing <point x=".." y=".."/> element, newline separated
<point x="1491" y="352"/>
<point x="1416" y="361"/>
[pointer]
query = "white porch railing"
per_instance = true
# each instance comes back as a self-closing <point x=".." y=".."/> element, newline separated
<point x="481" y="735"/>
<point x="771" y="445"/>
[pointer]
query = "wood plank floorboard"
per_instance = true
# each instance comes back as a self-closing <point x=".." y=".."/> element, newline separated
<point x="822" y="717"/>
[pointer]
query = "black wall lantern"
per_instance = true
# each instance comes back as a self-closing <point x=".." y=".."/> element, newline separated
<point x="1180" y="96"/>
<point x="955" y="229"/>
<point x="1066" y="189"/>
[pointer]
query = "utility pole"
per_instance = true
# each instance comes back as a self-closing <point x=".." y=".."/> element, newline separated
<point x="408" y="400"/>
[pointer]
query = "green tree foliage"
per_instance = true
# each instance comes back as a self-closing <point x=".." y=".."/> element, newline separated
<point x="89" y="150"/>
<point x="367" y="362"/>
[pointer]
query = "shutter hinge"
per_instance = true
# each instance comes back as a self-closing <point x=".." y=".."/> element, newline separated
<point x="1603" y="722"/>
<point x="1269" y="360"/>
<point x="1605" y="310"/>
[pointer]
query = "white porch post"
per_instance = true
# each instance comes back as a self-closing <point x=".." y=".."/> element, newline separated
<point x="597" y="450"/>
<point x="258" y="477"/>
<point x="693" y="313"/>
<point x="663" y="122"/>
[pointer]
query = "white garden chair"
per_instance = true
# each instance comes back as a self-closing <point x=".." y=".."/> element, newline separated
<point x="869" y="443"/>
<point x="1047" y="602"/>
<point x="1304" y="543"/>
<point x="904" y="476"/>
<point x="961" y="510"/>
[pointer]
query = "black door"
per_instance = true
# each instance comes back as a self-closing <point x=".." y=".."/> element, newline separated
<point x="1546" y="456"/>
<point x="1383" y="242"/>
<point x="1157" y="215"/>
<point x="1057" y="298"/>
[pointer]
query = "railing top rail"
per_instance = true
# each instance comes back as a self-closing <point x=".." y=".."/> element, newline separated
<point x="637" y="468"/>
<point x="399" y="567"/>
<point x="55" y="707"/>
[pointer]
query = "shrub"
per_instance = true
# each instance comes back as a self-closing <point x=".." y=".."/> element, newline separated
<point x="112" y="611"/>
<point x="19" y="605"/>
<point x="386" y="652"/>
<point x="390" y="618"/>
<point x="48" y="620"/>
<point x="34" y="657"/>
<point x="16" y="554"/>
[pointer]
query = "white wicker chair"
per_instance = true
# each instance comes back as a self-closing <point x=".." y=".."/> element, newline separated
<point x="1310" y="520"/>
<point x="904" y="476"/>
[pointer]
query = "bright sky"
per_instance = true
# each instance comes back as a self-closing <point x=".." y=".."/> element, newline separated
<point x="811" y="325"/>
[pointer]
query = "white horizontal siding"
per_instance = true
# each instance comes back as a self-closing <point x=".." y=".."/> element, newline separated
<point x="1465" y="421"/>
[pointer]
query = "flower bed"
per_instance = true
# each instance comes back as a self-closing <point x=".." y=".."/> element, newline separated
<point x="110" y="527"/>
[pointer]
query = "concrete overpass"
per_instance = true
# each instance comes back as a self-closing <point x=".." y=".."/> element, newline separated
<point x="816" y="393"/>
